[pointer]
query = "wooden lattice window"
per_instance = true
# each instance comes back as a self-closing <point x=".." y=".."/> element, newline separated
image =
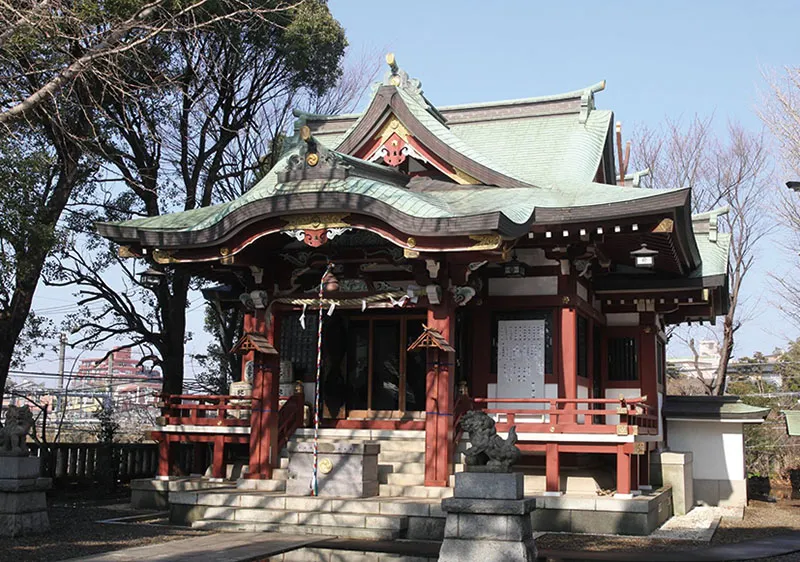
<point x="623" y="359"/>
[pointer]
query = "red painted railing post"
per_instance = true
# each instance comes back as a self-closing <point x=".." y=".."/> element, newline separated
<point x="623" y="470"/>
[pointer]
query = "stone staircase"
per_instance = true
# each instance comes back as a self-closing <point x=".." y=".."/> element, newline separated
<point x="370" y="518"/>
<point x="401" y="461"/>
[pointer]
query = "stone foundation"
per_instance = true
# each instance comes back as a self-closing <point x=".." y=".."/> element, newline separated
<point x="603" y="515"/>
<point x="23" y="504"/>
<point x="345" y="469"/>
<point x="488" y="520"/>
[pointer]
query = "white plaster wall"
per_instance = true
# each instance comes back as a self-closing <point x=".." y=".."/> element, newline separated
<point x="534" y="257"/>
<point x="717" y="448"/>
<point x="524" y="286"/>
<point x="622" y="319"/>
<point x="583" y="392"/>
<point x="614" y="393"/>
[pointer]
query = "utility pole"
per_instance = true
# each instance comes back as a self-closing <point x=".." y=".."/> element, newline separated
<point x="62" y="349"/>
<point x="110" y="378"/>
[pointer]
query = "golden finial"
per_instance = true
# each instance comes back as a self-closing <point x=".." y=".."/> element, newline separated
<point x="305" y="132"/>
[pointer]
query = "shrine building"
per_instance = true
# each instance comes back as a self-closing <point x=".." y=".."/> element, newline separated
<point x="478" y="256"/>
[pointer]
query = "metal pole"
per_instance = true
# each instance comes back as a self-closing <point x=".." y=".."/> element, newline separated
<point x="62" y="349"/>
<point x="110" y="378"/>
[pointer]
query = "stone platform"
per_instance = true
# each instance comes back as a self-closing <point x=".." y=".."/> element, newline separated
<point x="593" y="514"/>
<point x="23" y="504"/>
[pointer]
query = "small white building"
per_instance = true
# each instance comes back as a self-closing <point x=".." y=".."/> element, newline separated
<point x="711" y="428"/>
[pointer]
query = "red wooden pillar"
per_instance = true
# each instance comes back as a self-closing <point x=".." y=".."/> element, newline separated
<point x="552" y="470"/>
<point x="644" y="471"/>
<point x="218" y="462"/>
<point x="264" y="455"/>
<point x="164" y="456"/>
<point x="569" y="358"/>
<point x="648" y="357"/>
<point x="623" y="470"/>
<point x="635" y="472"/>
<point x="439" y="385"/>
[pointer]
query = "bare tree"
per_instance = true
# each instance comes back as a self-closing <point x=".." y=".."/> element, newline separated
<point x="780" y="112"/>
<point x="200" y="142"/>
<point x="79" y="39"/>
<point x="729" y="170"/>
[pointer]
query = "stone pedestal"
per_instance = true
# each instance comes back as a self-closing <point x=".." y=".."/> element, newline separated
<point x="346" y="469"/>
<point x="488" y="520"/>
<point x="23" y="505"/>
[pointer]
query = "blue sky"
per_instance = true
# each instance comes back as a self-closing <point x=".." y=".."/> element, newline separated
<point x="659" y="59"/>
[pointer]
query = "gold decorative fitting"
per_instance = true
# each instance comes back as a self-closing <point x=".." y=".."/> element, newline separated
<point x="325" y="465"/>
<point x="312" y="159"/>
<point x="410" y="254"/>
<point x="639" y="448"/>
<point x="565" y="300"/>
<point x="315" y="222"/>
<point x="393" y="126"/>
<point x="395" y="80"/>
<point x="552" y="429"/>
<point x="622" y="429"/>
<point x="224" y="251"/>
<point x="411" y="242"/>
<point x="226" y="260"/>
<point x="305" y="132"/>
<point x="125" y="252"/>
<point x="163" y="256"/>
<point x="485" y="241"/>
<point x="390" y="59"/>
<point x="648" y="329"/>
<point x="298" y="387"/>
<point x="665" y="225"/>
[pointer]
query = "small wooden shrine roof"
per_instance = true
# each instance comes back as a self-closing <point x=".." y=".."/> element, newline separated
<point x="254" y="342"/>
<point x="431" y="338"/>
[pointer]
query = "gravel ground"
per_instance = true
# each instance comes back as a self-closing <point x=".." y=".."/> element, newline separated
<point x="761" y="520"/>
<point x="75" y="531"/>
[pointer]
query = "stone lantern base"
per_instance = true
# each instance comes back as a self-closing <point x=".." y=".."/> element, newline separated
<point x="23" y="505"/>
<point x="488" y="520"/>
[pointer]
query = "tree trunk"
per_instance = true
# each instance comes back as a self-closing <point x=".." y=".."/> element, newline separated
<point x="725" y="352"/>
<point x="174" y="330"/>
<point x="12" y="324"/>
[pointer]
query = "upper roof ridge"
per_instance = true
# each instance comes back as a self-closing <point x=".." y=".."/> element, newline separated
<point x="400" y="79"/>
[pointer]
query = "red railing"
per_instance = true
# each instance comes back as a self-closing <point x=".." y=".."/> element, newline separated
<point x="205" y="409"/>
<point x="567" y="415"/>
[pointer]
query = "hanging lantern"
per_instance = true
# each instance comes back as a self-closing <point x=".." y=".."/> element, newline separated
<point x="644" y="257"/>
<point x="514" y="268"/>
<point x="152" y="278"/>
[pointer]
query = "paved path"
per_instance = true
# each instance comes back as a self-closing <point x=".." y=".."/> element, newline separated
<point x="219" y="547"/>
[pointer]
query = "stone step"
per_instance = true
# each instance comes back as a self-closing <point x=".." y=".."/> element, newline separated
<point x="315" y="518"/>
<point x="360" y="434"/>
<point x="401" y="456"/>
<point x="274" y="485"/>
<point x="401" y="479"/>
<point x="344" y="532"/>
<point x="391" y="490"/>
<point x="411" y="445"/>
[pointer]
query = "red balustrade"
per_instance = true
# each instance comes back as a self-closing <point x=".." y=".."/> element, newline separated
<point x="567" y="415"/>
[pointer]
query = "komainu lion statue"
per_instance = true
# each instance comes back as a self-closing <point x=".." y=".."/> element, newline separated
<point x="489" y="452"/>
<point x="19" y="421"/>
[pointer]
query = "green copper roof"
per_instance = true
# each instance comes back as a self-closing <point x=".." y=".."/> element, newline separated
<point x="542" y="150"/>
<point x="517" y="204"/>
<point x="792" y="422"/>
<point x="712" y="408"/>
